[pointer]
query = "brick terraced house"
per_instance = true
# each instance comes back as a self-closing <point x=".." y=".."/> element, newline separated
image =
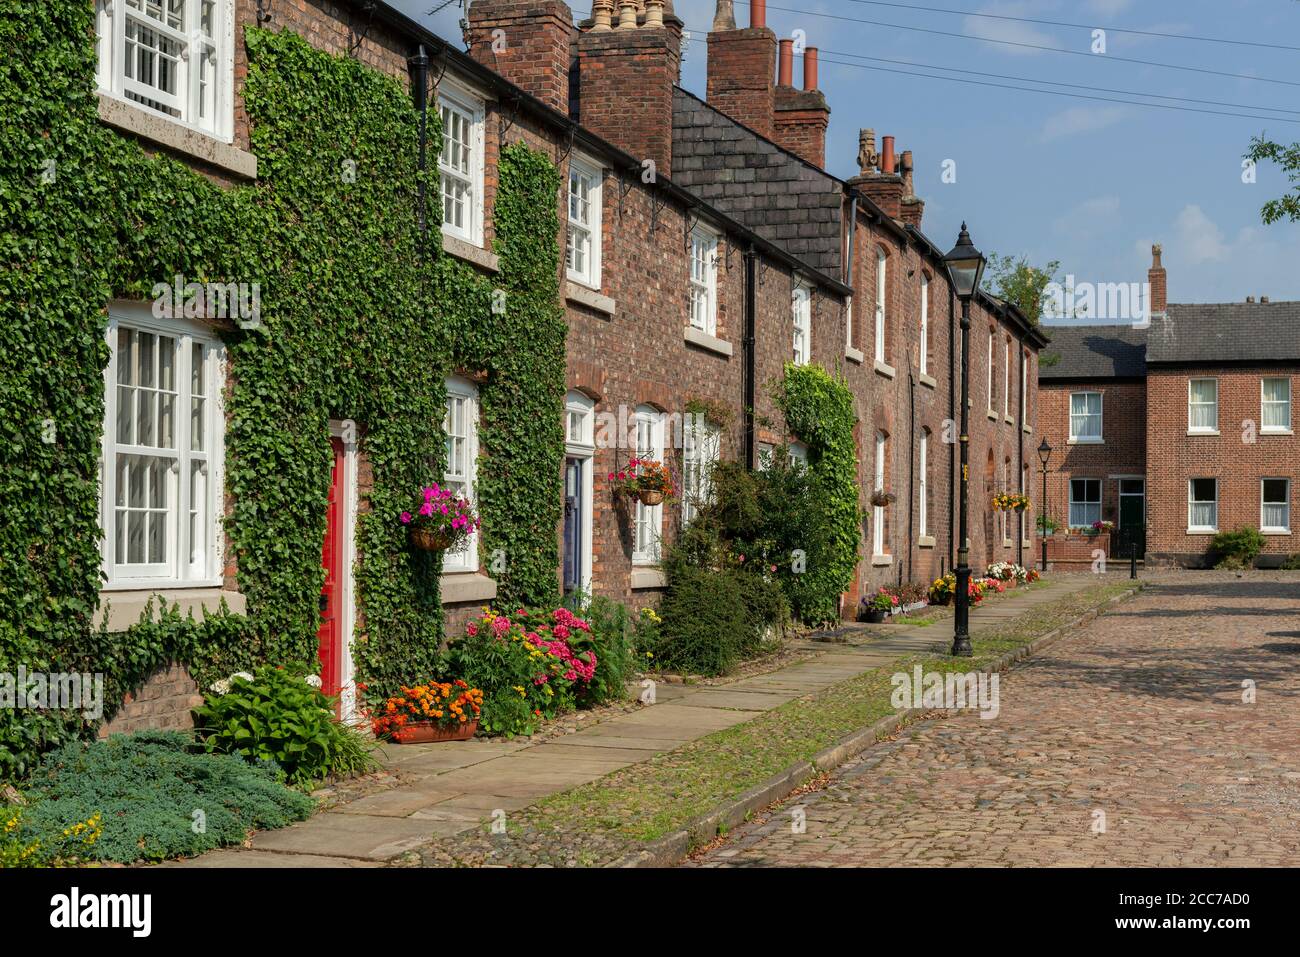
<point x="704" y="247"/>
<point x="1179" y="430"/>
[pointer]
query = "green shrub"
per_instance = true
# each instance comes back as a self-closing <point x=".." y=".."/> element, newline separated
<point x="279" y="717"/>
<point x="1237" y="548"/>
<point x="706" y="628"/>
<point x="766" y="611"/>
<point x="153" y="797"/>
<point x="1291" y="563"/>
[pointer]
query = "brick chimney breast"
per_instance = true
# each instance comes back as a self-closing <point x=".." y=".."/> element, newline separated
<point x="740" y="66"/>
<point x="532" y="48"/>
<point x="1157" y="282"/>
<point x="801" y="116"/>
<point x="911" y="206"/>
<point x="877" y="180"/>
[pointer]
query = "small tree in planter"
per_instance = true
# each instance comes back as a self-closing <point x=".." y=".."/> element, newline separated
<point x="443" y="520"/>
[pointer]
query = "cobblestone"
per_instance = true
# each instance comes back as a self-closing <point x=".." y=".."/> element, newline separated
<point x="1128" y="743"/>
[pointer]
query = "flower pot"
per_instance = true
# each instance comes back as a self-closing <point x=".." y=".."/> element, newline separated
<point x="650" y="496"/>
<point x="430" y="539"/>
<point x="875" y="616"/>
<point x="424" y="732"/>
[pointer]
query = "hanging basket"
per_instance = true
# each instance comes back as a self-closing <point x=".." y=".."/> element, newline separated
<point x="650" y="496"/>
<point x="431" y="539"/>
<point x="880" y="499"/>
<point x="1020" y="507"/>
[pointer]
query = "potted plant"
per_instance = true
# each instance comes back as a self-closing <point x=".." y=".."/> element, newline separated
<point x="880" y="498"/>
<point x="443" y="520"/>
<point x="1097" y="528"/>
<point x="647" y="479"/>
<point x="437" y="711"/>
<point x="878" y="606"/>
<point x="1047" y="525"/>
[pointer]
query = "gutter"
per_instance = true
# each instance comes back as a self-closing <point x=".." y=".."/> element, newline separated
<point x="747" y="345"/>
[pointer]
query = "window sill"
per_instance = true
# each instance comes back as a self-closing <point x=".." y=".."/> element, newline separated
<point x="1027" y="429"/>
<point x="884" y="369"/>
<point x="586" y="296"/>
<point x="854" y="355"/>
<point x="882" y="559"/>
<point x="460" y="587"/>
<point x="1277" y="432"/>
<point x="1275" y="531"/>
<point x="648" y="577"/>
<point x="1202" y="531"/>
<point x="1008" y="420"/>
<point x="475" y="255"/>
<point x="1086" y="442"/>
<point x="925" y="541"/>
<point x="695" y="337"/>
<point x="1007" y="543"/>
<point x="121" y="609"/>
<point x="1202" y="431"/>
<point x="157" y="128"/>
<point x="927" y="381"/>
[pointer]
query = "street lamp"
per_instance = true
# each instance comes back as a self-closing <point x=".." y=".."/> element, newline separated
<point x="1044" y="453"/>
<point x="965" y="267"/>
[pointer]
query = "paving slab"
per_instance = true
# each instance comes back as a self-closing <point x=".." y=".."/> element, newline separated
<point x="351" y="835"/>
<point x="738" y="699"/>
<point x="246" y="857"/>
<point x="400" y="802"/>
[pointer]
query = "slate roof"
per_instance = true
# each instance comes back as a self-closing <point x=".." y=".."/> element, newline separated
<point x="1095" y="352"/>
<point x="1226" y="332"/>
<point x="780" y="197"/>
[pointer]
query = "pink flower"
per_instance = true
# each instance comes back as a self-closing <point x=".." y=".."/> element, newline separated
<point x="426" y="508"/>
<point x="611" y="476"/>
<point x="428" y="494"/>
<point x="444" y="508"/>
<point x="471" y="629"/>
<point x="406" y="518"/>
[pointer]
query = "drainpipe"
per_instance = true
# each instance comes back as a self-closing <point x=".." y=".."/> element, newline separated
<point x="911" y="465"/>
<point x="853" y="224"/>
<point x="1020" y="445"/>
<point x="747" y="347"/>
<point x="952" y="417"/>
<point x="419" y="67"/>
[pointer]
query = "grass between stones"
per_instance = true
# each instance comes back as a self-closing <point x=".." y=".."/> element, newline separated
<point x="599" y="821"/>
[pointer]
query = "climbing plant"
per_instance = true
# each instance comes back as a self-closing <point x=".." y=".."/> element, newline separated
<point x="355" y="323"/>
<point x="818" y="408"/>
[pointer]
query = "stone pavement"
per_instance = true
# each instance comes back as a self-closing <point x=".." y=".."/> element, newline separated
<point x="1139" y="716"/>
<point x="452" y="787"/>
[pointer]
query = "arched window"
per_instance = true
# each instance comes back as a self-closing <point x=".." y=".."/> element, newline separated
<point x="649" y="518"/>
<point x="878" y="511"/>
<point x="880" y="303"/>
<point x="923" y="486"/>
<point x="925" y="324"/>
<point x="461" y="428"/>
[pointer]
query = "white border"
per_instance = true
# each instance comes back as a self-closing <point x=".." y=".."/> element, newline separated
<point x="346" y="430"/>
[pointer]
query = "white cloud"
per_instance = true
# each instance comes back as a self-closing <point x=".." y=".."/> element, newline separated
<point x="1090" y="219"/>
<point x="1081" y="119"/>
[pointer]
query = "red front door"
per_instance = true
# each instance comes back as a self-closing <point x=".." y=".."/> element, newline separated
<point x="330" y="633"/>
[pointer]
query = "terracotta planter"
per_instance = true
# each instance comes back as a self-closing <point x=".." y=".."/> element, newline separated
<point x="650" y="496"/>
<point x="424" y="732"/>
<point x="430" y="540"/>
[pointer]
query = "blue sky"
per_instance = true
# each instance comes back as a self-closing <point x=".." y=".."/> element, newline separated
<point x="1090" y="183"/>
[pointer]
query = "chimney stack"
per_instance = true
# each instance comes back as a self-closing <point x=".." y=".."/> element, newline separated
<point x="911" y="206"/>
<point x="878" y="180"/>
<point x="1156" y="283"/>
<point x="626" y="77"/>
<point x="740" y="67"/>
<point x="801" y="115"/>
<point x="535" y="55"/>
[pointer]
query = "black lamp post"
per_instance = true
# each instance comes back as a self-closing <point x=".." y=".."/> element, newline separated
<point x="1044" y="453"/>
<point x="965" y="268"/>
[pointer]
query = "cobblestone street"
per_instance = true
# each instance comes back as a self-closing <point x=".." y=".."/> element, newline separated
<point x="1127" y="743"/>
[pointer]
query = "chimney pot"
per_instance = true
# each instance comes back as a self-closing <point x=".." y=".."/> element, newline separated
<point x="758" y="13"/>
<point x="1263" y="298"/>
<point x="1250" y="299"/>
<point x="785" y="63"/>
<point x="810" y="68"/>
<point x="724" y="18"/>
<point x="887" y="155"/>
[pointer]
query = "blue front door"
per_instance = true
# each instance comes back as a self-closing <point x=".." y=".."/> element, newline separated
<point x="573" y="522"/>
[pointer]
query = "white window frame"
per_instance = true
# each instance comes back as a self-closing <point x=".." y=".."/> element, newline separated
<point x="1202" y="429"/>
<point x="1024" y="387"/>
<point x="173" y="571"/>
<point x="924" y="360"/>
<point x="801" y="314"/>
<point x="589" y="229"/>
<point x="647" y="530"/>
<point x="848" y="324"/>
<point x="580" y="443"/>
<point x="471" y="109"/>
<point x="878" y="511"/>
<point x="1264" y="403"/>
<point x="1085" y="503"/>
<point x="701" y="450"/>
<point x="702" y="280"/>
<point x="882" y="287"/>
<point x="111" y="17"/>
<point x="1097" y="439"/>
<point x="1214" y="527"/>
<point x="923" y="488"/>
<point x="465" y="558"/>
<point x="1006" y="378"/>
<point x="1286" y="503"/>
<point x="798" y="454"/>
<point x="991" y="337"/>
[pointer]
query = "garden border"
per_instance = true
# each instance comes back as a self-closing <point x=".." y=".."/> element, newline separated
<point x="675" y="847"/>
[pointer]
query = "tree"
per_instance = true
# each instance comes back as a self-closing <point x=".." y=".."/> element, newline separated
<point x="1288" y="158"/>
<point x="1024" y="286"/>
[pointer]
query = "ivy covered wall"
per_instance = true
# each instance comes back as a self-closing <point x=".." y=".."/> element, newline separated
<point x="355" y="323"/>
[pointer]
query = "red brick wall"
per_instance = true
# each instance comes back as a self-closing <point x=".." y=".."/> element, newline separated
<point x="1231" y="457"/>
<point x="625" y="80"/>
<point x="164" y="701"/>
<point x="532" y="48"/>
<point x="1123" y="450"/>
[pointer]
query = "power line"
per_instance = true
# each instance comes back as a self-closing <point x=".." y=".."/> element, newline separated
<point x="1079" y="26"/>
<point x="1035" y="46"/>
<point x="1077" y="86"/>
<point x="1080" y="96"/>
